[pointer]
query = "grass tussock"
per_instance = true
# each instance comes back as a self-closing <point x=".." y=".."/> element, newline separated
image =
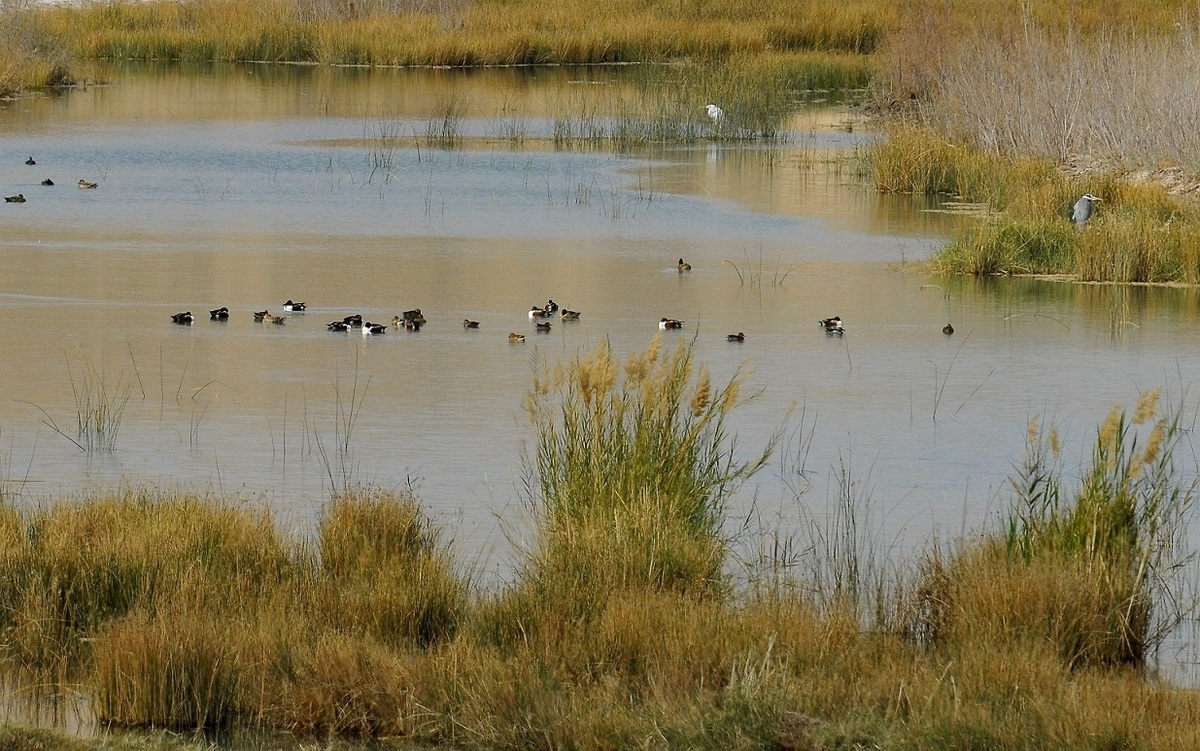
<point x="621" y="628"/>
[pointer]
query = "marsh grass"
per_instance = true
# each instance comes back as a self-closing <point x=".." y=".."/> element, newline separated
<point x="632" y="470"/>
<point x="99" y="406"/>
<point x="1094" y="572"/>
<point x="622" y="626"/>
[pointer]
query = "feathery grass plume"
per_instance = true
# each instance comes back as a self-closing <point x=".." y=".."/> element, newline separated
<point x="389" y="574"/>
<point x="1096" y="575"/>
<point x="630" y="480"/>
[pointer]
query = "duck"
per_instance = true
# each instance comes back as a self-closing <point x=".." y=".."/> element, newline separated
<point x="30" y="161"/>
<point x="295" y="307"/>
<point x="738" y="337"/>
<point x="551" y="306"/>
<point x="536" y="312"/>
<point x="414" y="316"/>
<point x="268" y="318"/>
<point x="516" y="338"/>
<point x="947" y="329"/>
<point x="18" y="198"/>
<point x="184" y="319"/>
<point x="259" y="315"/>
<point x="832" y="325"/>
<point x="220" y="314"/>
<point x="85" y="185"/>
<point x="670" y="323"/>
<point x="369" y="328"/>
<point x="684" y="266"/>
<point x="353" y="321"/>
<point x="47" y="181"/>
<point x="543" y="328"/>
<point x="414" y="325"/>
<point x="338" y="326"/>
<point x="469" y="324"/>
<point x="569" y="315"/>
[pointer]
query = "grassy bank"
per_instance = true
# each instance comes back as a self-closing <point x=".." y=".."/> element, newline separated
<point x="625" y="624"/>
<point x="1023" y="120"/>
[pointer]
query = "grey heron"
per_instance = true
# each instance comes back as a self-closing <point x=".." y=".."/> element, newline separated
<point x="1083" y="209"/>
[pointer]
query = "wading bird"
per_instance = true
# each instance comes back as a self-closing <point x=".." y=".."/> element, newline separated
<point x="715" y="113"/>
<point x="1083" y="209"/>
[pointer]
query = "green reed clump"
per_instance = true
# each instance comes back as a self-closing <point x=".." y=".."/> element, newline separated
<point x="632" y="470"/>
<point x="1012" y="247"/>
<point x="388" y="573"/>
<point x="1094" y="572"/>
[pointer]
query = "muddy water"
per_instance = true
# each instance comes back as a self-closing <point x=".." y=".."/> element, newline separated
<point x="244" y="187"/>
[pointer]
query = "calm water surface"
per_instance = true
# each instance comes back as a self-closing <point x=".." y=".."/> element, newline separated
<point x="245" y="187"/>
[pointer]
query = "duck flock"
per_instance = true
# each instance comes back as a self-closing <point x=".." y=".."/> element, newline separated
<point x="540" y="315"/>
<point x="31" y="162"/>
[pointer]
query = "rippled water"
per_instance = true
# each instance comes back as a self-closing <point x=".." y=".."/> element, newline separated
<point x="244" y="187"/>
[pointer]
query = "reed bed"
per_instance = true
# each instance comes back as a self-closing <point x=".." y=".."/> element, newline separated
<point x="622" y="626"/>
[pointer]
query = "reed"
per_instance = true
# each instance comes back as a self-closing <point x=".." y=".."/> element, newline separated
<point x="632" y="470"/>
<point x="621" y="629"/>
<point x="388" y="574"/>
<point x="1092" y="572"/>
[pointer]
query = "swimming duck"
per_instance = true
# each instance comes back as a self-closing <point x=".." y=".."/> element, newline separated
<point x="183" y="319"/>
<point x="295" y="307"/>
<point x="536" y="312"/>
<point x="369" y="328"/>
<point x="85" y="185"/>
<point x="47" y="181"/>
<point x="832" y="325"/>
<point x="738" y="337"/>
<point x="353" y="321"/>
<point x="684" y="266"/>
<point x="670" y="323"/>
<point x="543" y="328"/>
<point x="259" y="315"/>
<point x="414" y="325"/>
<point x="469" y="324"/>
<point x="30" y="161"/>
<point x="569" y="315"/>
<point x="515" y="338"/>
<point x="947" y="329"/>
<point x="414" y="316"/>
<point x="18" y="198"/>
<point x="268" y="318"/>
<point x="220" y="314"/>
<point x="338" y="326"/>
<point x="551" y="306"/>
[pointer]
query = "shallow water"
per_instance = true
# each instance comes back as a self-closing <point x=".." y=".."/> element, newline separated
<point x="247" y="186"/>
